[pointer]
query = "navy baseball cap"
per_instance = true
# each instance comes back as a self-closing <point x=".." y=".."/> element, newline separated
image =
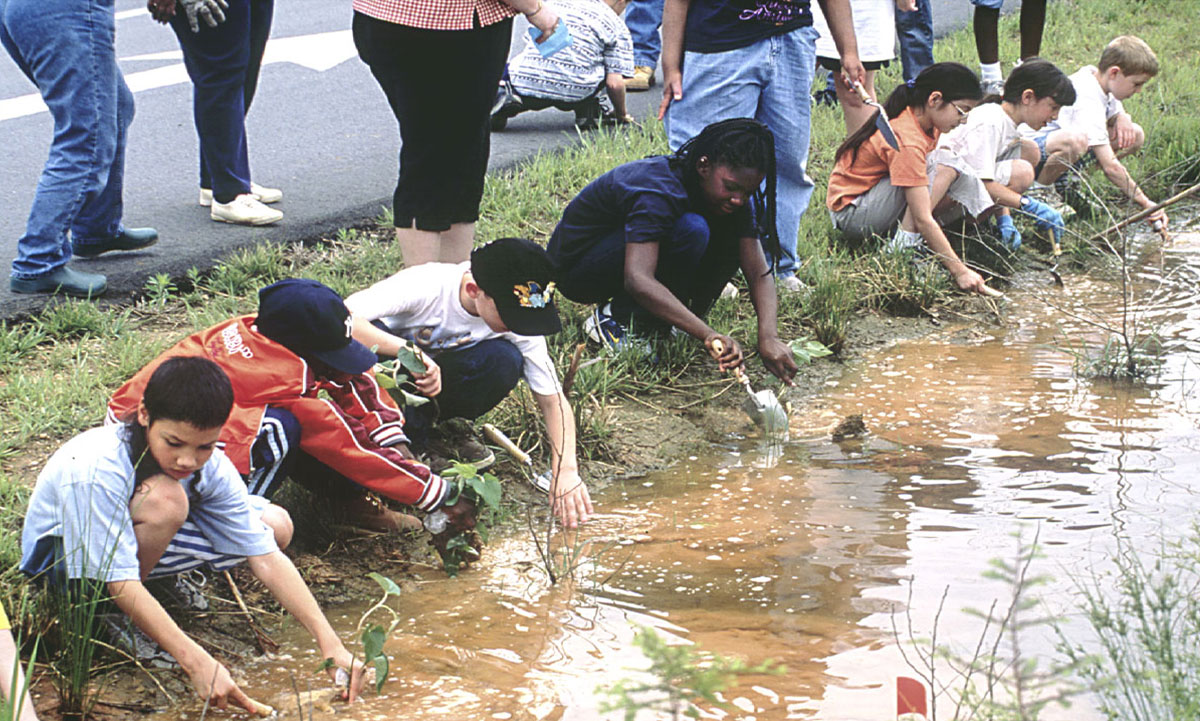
<point x="310" y="320"/>
<point x="518" y="275"/>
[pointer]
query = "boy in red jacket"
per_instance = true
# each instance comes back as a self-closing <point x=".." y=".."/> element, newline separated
<point x="307" y="406"/>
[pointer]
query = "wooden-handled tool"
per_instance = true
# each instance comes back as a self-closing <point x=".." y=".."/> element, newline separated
<point x="763" y="407"/>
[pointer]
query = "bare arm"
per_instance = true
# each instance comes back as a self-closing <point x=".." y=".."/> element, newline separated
<point x="776" y="355"/>
<point x="209" y="677"/>
<point x="282" y="579"/>
<point x="920" y="205"/>
<point x="673" y="23"/>
<point x="568" y="493"/>
<point x="614" y="85"/>
<point x="1116" y="173"/>
<point x="10" y="667"/>
<point x="539" y="15"/>
<point x="641" y="260"/>
<point x="384" y="343"/>
<point x="841" y="27"/>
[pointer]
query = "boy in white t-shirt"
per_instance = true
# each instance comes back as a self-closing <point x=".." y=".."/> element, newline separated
<point x="483" y="322"/>
<point x="1097" y="122"/>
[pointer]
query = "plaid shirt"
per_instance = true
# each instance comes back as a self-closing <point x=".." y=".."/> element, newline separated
<point x="436" y="14"/>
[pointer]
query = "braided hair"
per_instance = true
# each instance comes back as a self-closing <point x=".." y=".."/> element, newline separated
<point x="738" y="143"/>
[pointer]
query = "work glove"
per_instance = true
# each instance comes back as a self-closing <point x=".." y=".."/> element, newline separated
<point x="1047" y="218"/>
<point x="213" y="12"/>
<point x="1009" y="235"/>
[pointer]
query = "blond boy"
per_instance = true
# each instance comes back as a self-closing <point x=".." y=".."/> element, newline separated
<point x="1097" y="122"/>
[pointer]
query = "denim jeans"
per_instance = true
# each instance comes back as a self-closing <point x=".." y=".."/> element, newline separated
<point x="769" y="81"/>
<point x="915" y="32"/>
<point x="691" y="264"/>
<point x="66" y="47"/>
<point x="644" y="18"/>
<point x="223" y="63"/>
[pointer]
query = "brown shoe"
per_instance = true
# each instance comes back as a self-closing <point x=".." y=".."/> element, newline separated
<point x="369" y="512"/>
<point x="643" y="79"/>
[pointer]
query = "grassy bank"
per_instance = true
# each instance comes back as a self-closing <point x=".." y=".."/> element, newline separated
<point x="59" y="368"/>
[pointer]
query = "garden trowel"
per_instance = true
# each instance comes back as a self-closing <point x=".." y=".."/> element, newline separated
<point x="763" y="406"/>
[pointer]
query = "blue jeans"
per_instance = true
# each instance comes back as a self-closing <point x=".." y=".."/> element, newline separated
<point x="915" y="32"/>
<point x="769" y="81"/>
<point x="691" y="264"/>
<point x="644" y="18"/>
<point x="66" y="47"/>
<point x="223" y="63"/>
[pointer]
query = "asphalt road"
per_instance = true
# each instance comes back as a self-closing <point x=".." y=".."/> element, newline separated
<point x="320" y="129"/>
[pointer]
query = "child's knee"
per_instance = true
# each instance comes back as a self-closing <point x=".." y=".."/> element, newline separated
<point x="1030" y="152"/>
<point x="1070" y="145"/>
<point x="1020" y="175"/>
<point x="280" y="523"/>
<point x="159" y="501"/>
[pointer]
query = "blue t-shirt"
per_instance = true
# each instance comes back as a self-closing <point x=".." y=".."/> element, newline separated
<point x="81" y="506"/>
<point x="644" y="198"/>
<point x="715" y="26"/>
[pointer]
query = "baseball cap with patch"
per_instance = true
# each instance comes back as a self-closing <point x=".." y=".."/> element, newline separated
<point x="519" y="276"/>
<point x="311" y="320"/>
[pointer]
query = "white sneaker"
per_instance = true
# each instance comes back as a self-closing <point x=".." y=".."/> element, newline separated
<point x="244" y="210"/>
<point x="266" y="196"/>
<point x="791" y="284"/>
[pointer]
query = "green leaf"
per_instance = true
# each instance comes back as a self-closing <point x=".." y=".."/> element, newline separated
<point x="385" y="380"/>
<point x="325" y="665"/>
<point x="410" y="361"/>
<point x="806" y="349"/>
<point x="381" y="672"/>
<point x="373" y="637"/>
<point x="487" y="489"/>
<point x="388" y="585"/>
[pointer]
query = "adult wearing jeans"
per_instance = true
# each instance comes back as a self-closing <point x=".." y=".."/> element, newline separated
<point x="727" y="58"/>
<point x="439" y="62"/>
<point x="914" y="29"/>
<point x="77" y="207"/>
<point x="223" y="42"/>
<point x="644" y="18"/>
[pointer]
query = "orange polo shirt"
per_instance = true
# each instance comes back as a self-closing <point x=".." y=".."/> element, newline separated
<point x="856" y="173"/>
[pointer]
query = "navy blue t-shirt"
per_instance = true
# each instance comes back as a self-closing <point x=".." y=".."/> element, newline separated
<point x="643" y="198"/>
<point x="715" y="26"/>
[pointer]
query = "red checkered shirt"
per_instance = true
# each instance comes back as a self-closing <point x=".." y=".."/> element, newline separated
<point x="436" y="14"/>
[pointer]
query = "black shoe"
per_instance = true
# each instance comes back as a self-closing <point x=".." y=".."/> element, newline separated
<point x="506" y="105"/>
<point x="587" y="115"/>
<point x="62" y="280"/>
<point x="127" y="239"/>
<point x="825" y="97"/>
<point x="455" y="440"/>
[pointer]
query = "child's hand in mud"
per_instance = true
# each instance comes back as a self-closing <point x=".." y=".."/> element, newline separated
<point x="461" y="517"/>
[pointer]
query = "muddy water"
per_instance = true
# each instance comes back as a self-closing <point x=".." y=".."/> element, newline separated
<point x="809" y="554"/>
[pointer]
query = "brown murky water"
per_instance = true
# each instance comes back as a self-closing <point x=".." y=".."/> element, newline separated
<point x="806" y="555"/>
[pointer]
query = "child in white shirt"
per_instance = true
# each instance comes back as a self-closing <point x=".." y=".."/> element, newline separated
<point x="1097" y="123"/>
<point x="989" y="148"/>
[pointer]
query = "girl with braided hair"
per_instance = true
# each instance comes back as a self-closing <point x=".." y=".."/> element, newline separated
<point x="652" y="242"/>
<point x="873" y="185"/>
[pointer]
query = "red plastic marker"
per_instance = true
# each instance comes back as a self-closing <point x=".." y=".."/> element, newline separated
<point x="910" y="697"/>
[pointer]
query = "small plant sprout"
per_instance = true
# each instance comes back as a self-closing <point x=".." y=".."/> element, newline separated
<point x="393" y="376"/>
<point x="484" y="490"/>
<point x="159" y="289"/>
<point x="373" y="636"/>
<point x="805" y="350"/>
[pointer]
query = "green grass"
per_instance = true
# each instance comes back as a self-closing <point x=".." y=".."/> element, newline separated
<point x="59" y="367"/>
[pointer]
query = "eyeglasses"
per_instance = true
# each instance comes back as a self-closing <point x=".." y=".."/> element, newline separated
<point x="961" y="113"/>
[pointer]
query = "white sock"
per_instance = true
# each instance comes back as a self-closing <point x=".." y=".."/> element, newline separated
<point x="904" y="239"/>
<point x="990" y="71"/>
